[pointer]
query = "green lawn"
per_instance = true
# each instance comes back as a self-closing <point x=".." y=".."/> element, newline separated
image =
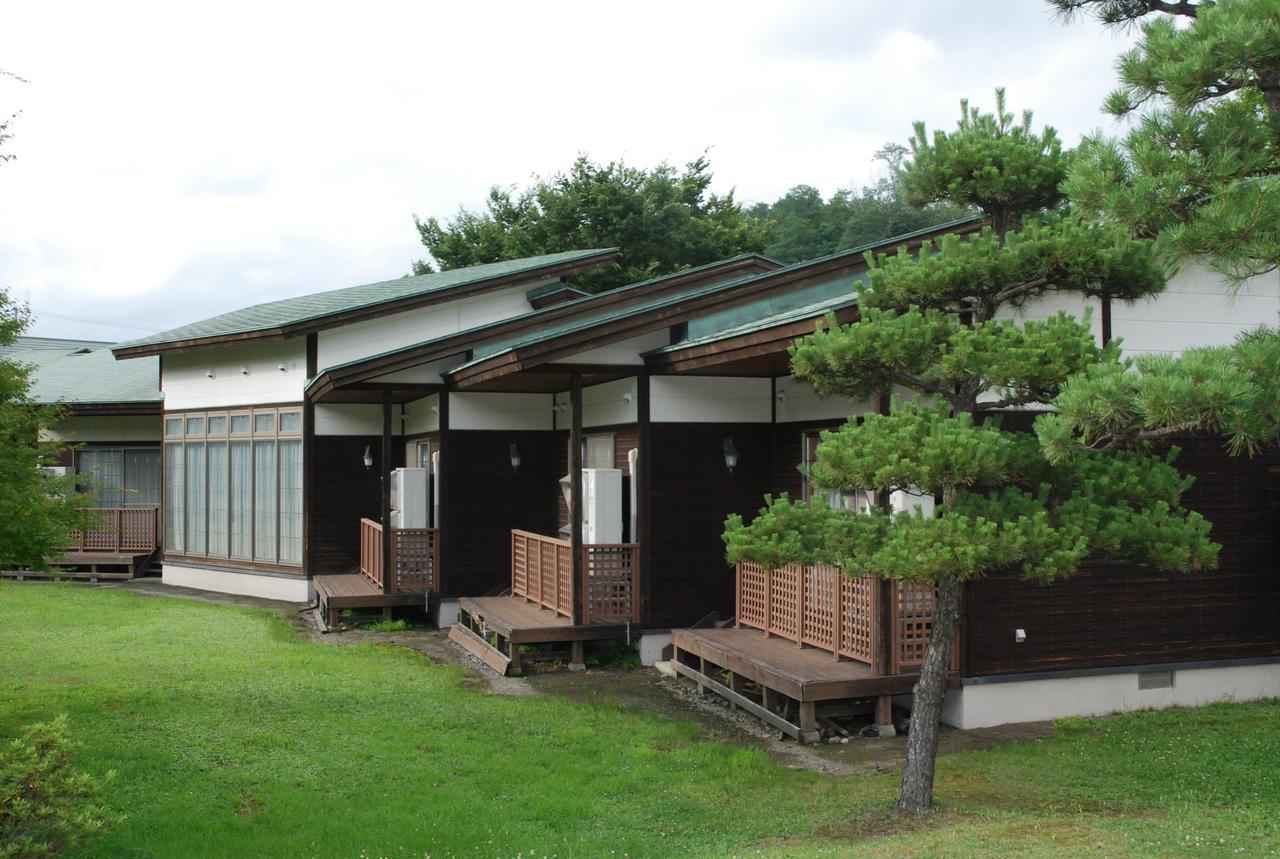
<point x="232" y="737"/>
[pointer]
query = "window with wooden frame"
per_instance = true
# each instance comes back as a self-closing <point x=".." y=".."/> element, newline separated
<point x="233" y="485"/>
<point x="849" y="499"/>
<point x="121" y="476"/>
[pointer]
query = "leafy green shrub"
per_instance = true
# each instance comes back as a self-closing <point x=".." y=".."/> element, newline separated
<point x="384" y="625"/>
<point x="618" y="657"/>
<point x="45" y="806"/>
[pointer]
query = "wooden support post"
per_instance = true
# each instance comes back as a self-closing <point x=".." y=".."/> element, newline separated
<point x="577" y="659"/>
<point x="388" y="574"/>
<point x="442" y="501"/>
<point x="644" y="446"/>
<point x="575" y="498"/>
<point x="884" y="716"/>
<point x="809" y="722"/>
<point x="513" y="650"/>
<point x="738" y="684"/>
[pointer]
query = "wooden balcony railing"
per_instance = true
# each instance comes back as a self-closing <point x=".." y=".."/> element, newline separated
<point x="820" y="607"/>
<point x="122" y="530"/>
<point x="415" y="558"/>
<point x="542" y="573"/>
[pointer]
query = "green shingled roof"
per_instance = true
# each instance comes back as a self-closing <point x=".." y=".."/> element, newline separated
<point x="817" y="308"/>
<point x="84" y="371"/>
<point x="309" y="308"/>
<point x="584" y="302"/>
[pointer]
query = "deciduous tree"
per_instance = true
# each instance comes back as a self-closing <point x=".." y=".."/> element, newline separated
<point x="661" y="220"/>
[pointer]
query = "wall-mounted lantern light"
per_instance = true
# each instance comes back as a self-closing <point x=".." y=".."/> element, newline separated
<point x="515" y="456"/>
<point x="730" y="453"/>
<point x="367" y="458"/>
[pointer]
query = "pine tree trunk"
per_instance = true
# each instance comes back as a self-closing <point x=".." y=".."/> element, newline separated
<point x="916" y="793"/>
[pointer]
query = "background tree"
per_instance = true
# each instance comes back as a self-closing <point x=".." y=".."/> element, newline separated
<point x="933" y="325"/>
<point x="804" y="226"/>
<point x="661" y="220"/>
<point x="37" y="510"/>
<point x="1201" y="168"/>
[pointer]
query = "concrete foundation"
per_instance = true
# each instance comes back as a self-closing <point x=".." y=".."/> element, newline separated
<point x="263" y="585"/>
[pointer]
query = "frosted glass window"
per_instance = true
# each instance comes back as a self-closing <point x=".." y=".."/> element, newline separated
<point x="217" y="497"/>
<point x="195" y="523"/>
<point x="264" y="500"/>
<point x="239" y="424"/>
<point x="173" y="497"/>
<point x="195" y="426"/>
<point x="241" y="513"/>
<point x="290" y="422"/>
<point x="103" y="472"/>
<point x="173" y="426"/>
<point x="218" y="425"/>
<point x="599" y="452"/>
<point x="290" y="501"/>
<point x="264" y="423"/>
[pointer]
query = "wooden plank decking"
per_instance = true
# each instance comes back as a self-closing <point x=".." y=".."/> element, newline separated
<point x="512" y="622"/>
<point x="354" y="591"/>
<point x="727" y="661"/>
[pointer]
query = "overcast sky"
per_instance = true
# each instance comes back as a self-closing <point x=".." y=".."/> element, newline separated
<point x="174" y="163"/>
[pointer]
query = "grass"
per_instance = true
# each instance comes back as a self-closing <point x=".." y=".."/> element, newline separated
<point x="399" y="624"/>
<point x="233" y="737"/>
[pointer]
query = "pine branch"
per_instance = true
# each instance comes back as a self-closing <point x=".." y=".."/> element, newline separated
<point x="909" y="380"/>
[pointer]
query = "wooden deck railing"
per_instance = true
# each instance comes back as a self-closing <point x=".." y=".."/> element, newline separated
<point x="819" y="606"/>
<point x="542" y="573"/>
<point x="415" y="558"/>
<point x="122" y="530"/>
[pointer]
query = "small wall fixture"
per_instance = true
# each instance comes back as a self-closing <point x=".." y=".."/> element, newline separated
<point x="626" y="397"/>
<point x="367" y="458"/>
<point x="1019" y="636"/>
<point x="730" y="453"/>
<point x="284" y="368"/>
<point x="244" y="371"/>
<point x="209" y="372"/>
<point x="515" y="456"/>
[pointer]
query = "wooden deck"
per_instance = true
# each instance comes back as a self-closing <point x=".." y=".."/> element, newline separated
<point x="354" y="591"/>
<point x="91" y="566"/>
<point x="784" y="685"/>
<point x="494" y="628"/>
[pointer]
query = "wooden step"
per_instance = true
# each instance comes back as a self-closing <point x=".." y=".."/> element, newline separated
<point x="479" y="648"/>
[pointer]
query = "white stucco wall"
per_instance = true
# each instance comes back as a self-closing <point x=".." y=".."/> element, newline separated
<point x="709" y="399"/>
<point x="375" y="336"/>
<point x="1198" y="308"/>
<point x="106" y="428"/>
<point x="623" y="352"/>
<point x="494" y="411"/>
<point x="353" y="419"/>
<point x="797" y="402"/>
<point x="422" y="415"/>
<point x="263" y="585"/>
<point x="185" y="379"/>
<point x="602" y="405"/>
<point x="986" y="704"/>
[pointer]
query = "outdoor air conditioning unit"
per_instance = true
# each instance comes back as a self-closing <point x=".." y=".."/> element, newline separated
<point x="903" y="501"/>
<point x="409" y="498"/>
<point x="55" y="470"/>
<point x="601" y="503"/>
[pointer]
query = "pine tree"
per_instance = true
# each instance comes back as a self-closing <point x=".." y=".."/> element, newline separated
<point x="1201" y="168"/>
<point x="938" y="326"/>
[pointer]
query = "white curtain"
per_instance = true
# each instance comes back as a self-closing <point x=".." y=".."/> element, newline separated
<point x="141" y="477"/>
<point x="218" y="498"/>
<point x="290" y="501"/>
<point x="195" y="531"/>
<point x="241" y="499"/>
<point x="173" y="498"/>
<point x="103" y="471"/>
<point x="264" y="501"/>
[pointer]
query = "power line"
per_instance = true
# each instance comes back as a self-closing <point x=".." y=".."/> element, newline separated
<point x="39" y="312"/>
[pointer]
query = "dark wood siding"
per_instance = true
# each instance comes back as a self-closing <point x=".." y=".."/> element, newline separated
<point x="342" y="492"/>
<point x="1110" y="615"/>
<point x="693" y="492"/>
<point x="487" y="499"/>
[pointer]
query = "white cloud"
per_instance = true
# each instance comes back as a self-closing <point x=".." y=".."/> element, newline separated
<point x="177" y="161"/>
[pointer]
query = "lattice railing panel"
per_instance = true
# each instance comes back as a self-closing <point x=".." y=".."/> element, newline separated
<point x="371" y="551"/>
<point x="859" y="608"/>
<point x="819" y="596"/>
<point x="820" y="607"/>
<point x="612" y="581"/>
<point x="417" y="559"/>
<point x="542" y="571"/>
